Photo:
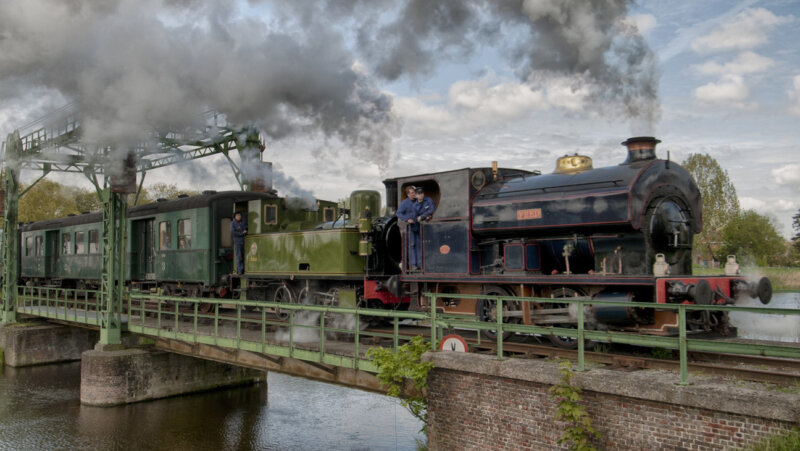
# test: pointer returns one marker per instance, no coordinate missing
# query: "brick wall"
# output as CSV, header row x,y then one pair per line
x,y
478,404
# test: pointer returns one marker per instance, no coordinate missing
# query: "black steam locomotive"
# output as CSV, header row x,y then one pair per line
x,y
614,233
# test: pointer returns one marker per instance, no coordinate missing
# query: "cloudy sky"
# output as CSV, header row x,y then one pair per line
x,y
348,93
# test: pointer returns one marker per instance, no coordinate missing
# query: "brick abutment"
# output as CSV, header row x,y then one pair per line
x,y
479,402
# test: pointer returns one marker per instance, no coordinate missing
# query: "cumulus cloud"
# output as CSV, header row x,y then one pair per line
x,y
788,175
747,30
794,96
487,102
731,91
751,203
746,63
506,100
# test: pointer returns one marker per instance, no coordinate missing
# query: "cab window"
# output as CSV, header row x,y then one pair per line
x,y
39,248
330,214
225,239
270,214
80,242
28,246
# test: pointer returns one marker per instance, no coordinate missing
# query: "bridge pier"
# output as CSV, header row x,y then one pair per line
x,y
38,343
479,402
112,376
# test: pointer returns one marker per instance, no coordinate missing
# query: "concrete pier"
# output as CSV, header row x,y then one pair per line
x,y
112,377
38,343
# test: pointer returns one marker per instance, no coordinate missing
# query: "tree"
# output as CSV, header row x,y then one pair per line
x,y
720,203
754,239
46,200
161,191
796,227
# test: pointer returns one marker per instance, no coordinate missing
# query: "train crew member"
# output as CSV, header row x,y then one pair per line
x,y
423,209
238,231
424,205
407,213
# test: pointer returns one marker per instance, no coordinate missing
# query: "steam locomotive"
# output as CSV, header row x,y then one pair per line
x,y
621,233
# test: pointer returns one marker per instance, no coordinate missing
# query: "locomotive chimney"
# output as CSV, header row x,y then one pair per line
x,y
640,148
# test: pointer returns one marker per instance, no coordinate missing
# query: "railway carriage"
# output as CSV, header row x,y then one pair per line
x,y
181,246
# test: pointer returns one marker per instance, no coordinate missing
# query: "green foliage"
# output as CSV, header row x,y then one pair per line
x,y
720,202
796,227
789,441
579,430
661,353
48,199
394,368
753,238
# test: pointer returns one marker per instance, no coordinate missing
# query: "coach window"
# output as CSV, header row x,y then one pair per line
x,y
270,214
39,247
184,234
80,242
94,242
164,235
29,246
66,244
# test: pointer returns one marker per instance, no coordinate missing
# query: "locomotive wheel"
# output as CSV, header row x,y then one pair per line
x,y
564,341
283,295
485,310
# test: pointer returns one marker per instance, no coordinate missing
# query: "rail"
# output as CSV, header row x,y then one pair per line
x,y
681,342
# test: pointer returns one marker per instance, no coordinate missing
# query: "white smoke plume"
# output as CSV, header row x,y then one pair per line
x,y
135,66
304,68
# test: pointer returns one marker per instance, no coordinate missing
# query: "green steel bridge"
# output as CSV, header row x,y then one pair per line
x,y
330,343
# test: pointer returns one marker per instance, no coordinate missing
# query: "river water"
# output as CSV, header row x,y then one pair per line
x,y
40,410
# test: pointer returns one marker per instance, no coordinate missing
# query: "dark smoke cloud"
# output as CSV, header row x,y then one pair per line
x,y
133,66
588,41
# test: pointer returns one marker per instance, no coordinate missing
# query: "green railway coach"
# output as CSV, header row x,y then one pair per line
x,y
182,246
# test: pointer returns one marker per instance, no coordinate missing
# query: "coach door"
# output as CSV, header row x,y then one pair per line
x,y
51,254
143,249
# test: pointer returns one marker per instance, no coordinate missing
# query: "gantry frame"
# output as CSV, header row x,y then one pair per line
x,y
55,144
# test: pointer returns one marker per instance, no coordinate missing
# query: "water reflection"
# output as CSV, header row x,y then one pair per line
x,y
40,409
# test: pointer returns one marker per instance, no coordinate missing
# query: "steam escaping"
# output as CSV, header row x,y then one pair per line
x,y
136,66
305,68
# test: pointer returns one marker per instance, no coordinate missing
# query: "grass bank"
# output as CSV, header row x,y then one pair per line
x,y
782,278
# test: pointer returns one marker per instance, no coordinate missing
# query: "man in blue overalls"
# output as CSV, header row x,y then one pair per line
x,y
407,213
238,231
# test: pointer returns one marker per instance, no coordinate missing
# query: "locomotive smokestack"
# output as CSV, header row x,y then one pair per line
x,y
640,148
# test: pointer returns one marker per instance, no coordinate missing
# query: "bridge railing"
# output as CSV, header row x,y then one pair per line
x,y
66,304
337,336
681,342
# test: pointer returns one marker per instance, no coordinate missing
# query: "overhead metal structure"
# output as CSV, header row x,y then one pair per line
x,y
55,144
